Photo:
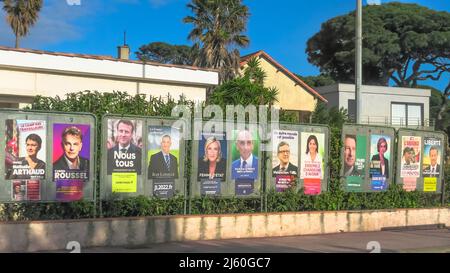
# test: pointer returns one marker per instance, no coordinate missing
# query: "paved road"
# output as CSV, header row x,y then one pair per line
x,y
419,240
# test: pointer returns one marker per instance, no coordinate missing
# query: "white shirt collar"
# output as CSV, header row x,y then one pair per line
x,y
249,161
127,147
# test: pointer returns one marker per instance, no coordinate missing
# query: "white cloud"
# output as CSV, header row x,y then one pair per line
x,y
57,23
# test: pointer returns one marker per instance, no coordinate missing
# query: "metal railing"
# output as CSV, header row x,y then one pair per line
x,y
397,122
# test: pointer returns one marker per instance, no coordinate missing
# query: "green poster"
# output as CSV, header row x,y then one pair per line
x,y
354,184
360,164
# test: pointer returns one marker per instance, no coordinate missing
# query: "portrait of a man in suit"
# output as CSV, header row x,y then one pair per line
x,y
432,170
125,156
350,156
246,166
72,144
285,166
163,164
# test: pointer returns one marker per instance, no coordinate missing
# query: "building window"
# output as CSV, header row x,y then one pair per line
x,y
406,114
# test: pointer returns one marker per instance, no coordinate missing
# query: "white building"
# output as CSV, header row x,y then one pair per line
x,y
26,73
399,107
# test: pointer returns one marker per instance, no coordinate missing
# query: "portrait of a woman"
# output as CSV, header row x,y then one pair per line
x,y
212,165
312,158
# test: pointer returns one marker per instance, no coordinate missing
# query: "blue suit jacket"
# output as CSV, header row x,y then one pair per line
x,y
250,175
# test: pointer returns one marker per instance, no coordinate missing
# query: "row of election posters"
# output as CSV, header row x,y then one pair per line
x,y
420,158
227,165
367,158
129,142
232,166
298,159
32,166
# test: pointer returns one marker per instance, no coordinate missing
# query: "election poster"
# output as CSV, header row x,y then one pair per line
x,y
284,159
411,156
124,153
432,153
163,154
124,145
25,153
379,161
355,161
71,159
245,149
25,190
312,148
212,162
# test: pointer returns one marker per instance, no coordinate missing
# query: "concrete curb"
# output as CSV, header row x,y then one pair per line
x,y
135,231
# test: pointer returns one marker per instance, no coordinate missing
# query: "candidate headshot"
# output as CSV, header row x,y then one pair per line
x,y
285,166
163,164
125,155
211,165
382,148
350,156
72,144
33,144
408,156
434,168
246,166
18,193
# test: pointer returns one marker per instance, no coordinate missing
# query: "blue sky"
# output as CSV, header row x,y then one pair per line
x,y
281,28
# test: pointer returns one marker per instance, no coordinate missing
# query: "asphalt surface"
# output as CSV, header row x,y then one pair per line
x,y
394,241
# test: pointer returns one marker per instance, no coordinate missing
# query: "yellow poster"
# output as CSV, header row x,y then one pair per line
x,y
124,182
429,183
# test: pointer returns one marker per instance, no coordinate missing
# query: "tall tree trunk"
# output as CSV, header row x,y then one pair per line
x,y
17,41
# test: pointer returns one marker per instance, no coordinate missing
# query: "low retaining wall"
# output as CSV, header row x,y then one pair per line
x,y
54,235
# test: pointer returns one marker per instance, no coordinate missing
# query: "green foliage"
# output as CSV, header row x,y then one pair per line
x,y
22,15
167,54
218,32
243,91
402,42
317,81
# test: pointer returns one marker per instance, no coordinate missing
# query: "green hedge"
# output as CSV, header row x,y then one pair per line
x,y
121,103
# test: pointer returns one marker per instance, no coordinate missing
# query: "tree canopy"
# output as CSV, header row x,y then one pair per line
x,y
21,15
218,27
402,42
162,52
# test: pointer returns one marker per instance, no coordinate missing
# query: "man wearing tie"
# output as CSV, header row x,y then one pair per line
x,y
163,164
246,166
124,157
433,170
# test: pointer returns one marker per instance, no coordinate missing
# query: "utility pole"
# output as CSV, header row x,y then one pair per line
x,y
358,61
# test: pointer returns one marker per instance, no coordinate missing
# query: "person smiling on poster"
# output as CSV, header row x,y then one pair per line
x,y
382,147
434,168
72,143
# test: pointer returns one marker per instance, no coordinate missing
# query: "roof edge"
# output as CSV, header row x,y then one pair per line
x,y
262,53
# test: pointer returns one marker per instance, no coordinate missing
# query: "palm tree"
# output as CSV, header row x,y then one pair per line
x,y
217,32
21,15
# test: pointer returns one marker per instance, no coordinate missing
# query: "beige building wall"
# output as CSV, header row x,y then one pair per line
x,y
23,85
291,96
